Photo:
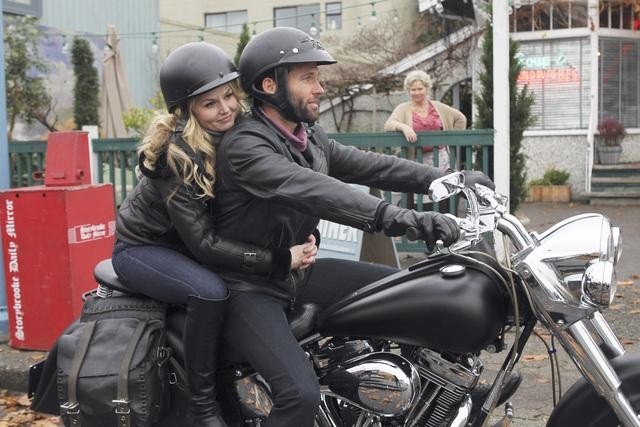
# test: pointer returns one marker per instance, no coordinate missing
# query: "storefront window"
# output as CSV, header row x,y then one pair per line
x,y
619,14
615,15
522,18
579,14
620,80
540,15
557,74
627,16
561,15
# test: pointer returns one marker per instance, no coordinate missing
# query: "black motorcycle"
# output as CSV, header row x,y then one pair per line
x,y
405,351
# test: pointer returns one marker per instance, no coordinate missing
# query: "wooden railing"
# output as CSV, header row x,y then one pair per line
x,y
116,160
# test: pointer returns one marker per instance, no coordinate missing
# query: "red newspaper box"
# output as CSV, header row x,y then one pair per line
x,y
68,158
52,237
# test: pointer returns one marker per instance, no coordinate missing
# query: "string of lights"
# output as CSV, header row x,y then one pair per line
x,y
203,29
189,31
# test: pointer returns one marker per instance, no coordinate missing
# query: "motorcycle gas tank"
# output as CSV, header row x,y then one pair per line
x,y
446,303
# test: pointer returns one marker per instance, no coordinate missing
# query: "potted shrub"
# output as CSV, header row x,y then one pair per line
x,y
611,133
552,187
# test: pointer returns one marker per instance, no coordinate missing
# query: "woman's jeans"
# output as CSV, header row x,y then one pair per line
x,y
164,274
258,330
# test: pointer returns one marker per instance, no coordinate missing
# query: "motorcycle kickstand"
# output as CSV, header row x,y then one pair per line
x,y
507,420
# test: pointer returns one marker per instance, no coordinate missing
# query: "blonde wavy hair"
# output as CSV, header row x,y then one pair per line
x,y
156,143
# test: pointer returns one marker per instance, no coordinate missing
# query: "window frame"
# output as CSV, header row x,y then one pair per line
x,y
527,13
622,105
327,15
226,24
313,17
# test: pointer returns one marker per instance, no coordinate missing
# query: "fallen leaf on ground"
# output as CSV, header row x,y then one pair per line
x,y
543,381
625,282
23,400
634,312
635,276
14,412
627,341
616,307
534,357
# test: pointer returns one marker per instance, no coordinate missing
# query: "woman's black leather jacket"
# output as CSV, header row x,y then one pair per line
x,y
163,210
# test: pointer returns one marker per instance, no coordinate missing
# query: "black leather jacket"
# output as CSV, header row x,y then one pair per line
x,y
162,210
272,195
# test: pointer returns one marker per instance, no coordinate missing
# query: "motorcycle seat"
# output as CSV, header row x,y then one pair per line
x,y
302,320
105,275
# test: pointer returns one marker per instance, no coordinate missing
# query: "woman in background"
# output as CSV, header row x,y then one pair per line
x,y
424,114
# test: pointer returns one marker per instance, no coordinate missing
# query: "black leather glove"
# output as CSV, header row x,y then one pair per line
x,y
430,226
477,177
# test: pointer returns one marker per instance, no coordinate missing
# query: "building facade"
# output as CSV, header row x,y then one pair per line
x,y
221,21
61,20
581,61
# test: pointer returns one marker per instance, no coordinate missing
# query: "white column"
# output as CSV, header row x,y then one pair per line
x,y
501,159
594,45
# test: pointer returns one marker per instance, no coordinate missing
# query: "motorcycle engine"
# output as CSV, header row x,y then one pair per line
x,y
380,382
446,381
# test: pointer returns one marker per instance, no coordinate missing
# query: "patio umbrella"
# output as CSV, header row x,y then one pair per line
x,y
115,90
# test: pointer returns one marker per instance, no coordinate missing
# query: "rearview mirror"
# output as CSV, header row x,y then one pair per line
x,y
446,186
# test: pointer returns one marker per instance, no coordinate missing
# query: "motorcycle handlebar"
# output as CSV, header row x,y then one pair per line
x,y
414,234
470,226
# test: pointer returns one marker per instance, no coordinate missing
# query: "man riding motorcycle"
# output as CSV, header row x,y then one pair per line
x,y
278,174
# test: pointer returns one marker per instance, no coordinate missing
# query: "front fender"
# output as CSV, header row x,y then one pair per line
x,y
582,406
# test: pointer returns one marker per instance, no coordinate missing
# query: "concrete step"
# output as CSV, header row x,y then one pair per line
x,y
617,170
617,166
616,184
613,198
625,180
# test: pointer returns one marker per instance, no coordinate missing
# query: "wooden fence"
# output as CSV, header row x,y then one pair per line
x,y
116,160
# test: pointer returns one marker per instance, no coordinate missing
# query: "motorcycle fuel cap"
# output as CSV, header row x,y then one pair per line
x,y
452,270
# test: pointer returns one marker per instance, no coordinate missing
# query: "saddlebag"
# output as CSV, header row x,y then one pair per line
x,y
111,364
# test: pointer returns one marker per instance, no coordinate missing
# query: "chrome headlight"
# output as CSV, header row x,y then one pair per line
x,y
599,283
582,251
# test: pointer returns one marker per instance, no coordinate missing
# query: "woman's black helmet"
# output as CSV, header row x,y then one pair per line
x,y
192,69
271,49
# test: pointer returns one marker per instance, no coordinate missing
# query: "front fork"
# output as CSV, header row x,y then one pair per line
x,y
578,341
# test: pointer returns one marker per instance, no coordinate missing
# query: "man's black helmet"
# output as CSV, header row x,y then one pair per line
x,y
192,69
278,46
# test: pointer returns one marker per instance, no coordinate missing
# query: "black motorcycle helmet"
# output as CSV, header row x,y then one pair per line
x,y
271,52
192,69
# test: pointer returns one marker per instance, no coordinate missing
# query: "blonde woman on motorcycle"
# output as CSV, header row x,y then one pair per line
x,y
166,243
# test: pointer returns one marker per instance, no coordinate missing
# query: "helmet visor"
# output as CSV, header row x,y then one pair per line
x,y
309,50
226,78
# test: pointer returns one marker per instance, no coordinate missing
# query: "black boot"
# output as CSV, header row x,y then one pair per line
x,y
202,335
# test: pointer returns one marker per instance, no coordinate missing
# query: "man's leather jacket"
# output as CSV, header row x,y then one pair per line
x,y
163,210
272,195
